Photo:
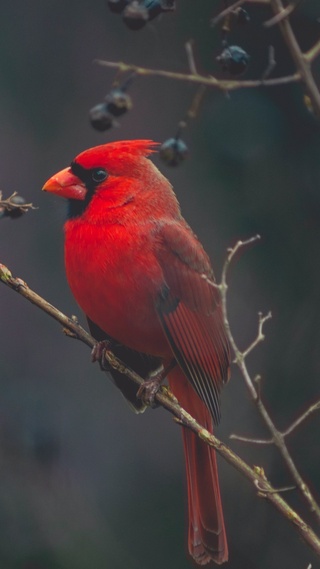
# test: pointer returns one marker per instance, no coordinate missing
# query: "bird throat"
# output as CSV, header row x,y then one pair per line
x,y
77,207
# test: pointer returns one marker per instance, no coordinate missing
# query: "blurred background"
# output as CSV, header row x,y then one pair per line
x,y
84,483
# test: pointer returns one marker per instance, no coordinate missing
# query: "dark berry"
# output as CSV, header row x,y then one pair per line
x,y
173,151
234,60
118,102
117,6
15,212
135,15
100,117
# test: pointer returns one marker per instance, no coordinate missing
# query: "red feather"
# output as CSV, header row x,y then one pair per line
x,y
207,536
191,315
143,279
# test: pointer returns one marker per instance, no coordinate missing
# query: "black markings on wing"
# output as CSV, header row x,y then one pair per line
x,y
200,349
189,311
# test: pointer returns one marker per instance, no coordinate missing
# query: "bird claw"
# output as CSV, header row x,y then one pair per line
x,y
98,354
149,389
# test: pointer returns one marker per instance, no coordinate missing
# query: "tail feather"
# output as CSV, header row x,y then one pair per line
x,y
207,536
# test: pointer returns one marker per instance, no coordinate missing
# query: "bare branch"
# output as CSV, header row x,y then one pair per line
x,y
191,59
260,336
280,16
271,63
313,52
210,81
196,102
312,409
302,63
232,8
250,440
240,359
277,490
226,11
255,475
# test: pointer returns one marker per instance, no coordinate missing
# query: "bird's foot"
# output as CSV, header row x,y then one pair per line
x,y
150,387
98,354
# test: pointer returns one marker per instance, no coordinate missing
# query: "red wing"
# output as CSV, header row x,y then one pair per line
x,y
191,316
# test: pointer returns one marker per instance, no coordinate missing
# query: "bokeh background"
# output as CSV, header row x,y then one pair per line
x,y
84,483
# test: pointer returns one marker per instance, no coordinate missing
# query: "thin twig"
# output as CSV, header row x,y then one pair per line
x,y
312,409
232,8
313,52
240,359
277,490
260,336
191,60
9,204
280,16
193,111
271,63
226,11
211,81
255,475
235,437
302,63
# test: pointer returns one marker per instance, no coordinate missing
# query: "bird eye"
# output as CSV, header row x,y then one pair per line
x,y
98,175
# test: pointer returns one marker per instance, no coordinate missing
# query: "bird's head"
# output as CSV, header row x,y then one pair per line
x,y
116,167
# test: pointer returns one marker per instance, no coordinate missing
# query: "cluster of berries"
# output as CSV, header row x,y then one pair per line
x,y
115,104
137,13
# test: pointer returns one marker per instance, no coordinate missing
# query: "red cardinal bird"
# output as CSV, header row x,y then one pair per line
x,y
143,279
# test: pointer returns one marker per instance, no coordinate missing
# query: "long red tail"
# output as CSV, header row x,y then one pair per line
x,y
207,536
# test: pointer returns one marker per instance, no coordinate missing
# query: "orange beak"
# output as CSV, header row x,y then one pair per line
x,y
66,185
